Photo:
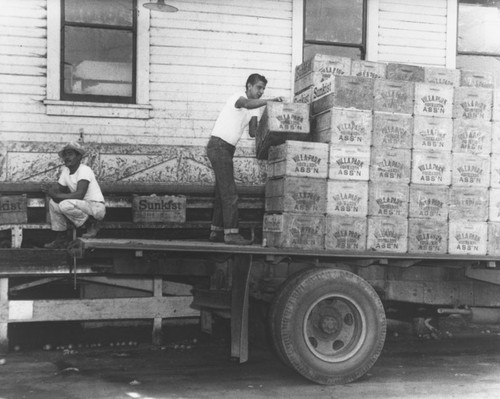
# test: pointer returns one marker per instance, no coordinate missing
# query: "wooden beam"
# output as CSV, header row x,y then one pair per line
x,y
36,283
4,314
157,337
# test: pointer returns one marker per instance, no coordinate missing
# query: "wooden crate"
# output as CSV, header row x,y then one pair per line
x,y
294,230
495,113
495,138
408,72
442,76
392,130
431,133
13,209
427,236
300,159
349,163
472,103
493,238
296,194
467,238
387,234
345,233
324,63
343,126
347,198
472,136
470,78
470,170
495,171
310,80
468,203
323,88
159,209
431,167
433,100
388,199
304,97
393,96
494,205
392,165
368,69
281,122
429,202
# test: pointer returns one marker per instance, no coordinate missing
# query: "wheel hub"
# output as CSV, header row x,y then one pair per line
x,y
329,325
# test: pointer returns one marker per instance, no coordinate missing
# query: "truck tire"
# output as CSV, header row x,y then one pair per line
x,y
329,325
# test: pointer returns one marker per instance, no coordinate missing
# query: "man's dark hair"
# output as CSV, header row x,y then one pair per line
x,y
255,78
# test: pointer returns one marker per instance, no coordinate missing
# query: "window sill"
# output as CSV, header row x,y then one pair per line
x,y
103,110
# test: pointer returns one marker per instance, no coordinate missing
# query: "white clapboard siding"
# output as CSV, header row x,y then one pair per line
x,y
412,32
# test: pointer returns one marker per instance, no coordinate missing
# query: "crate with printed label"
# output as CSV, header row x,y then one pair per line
x,y
427,236
467,238
431,167
472,78
325,63
472,103
442,76
432,133
433,100
345,233
393,96
429,202
390,165
470,170
388,199
347,198
472,136
368,69
412,73
349,163
392,130
468,203
387,234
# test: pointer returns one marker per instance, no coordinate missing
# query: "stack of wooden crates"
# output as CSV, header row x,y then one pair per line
x,y
402,159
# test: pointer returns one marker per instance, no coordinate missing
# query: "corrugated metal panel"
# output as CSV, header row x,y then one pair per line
x,y
413,32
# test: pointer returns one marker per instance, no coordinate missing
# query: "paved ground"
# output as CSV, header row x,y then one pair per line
x,y
448,365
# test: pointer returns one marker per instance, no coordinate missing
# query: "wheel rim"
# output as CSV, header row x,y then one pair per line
x,y
334,328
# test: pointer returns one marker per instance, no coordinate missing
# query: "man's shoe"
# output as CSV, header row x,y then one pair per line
x,y
93,229
236,239
59,243
216,236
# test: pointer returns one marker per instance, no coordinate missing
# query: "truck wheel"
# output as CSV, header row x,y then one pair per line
x,y
329,325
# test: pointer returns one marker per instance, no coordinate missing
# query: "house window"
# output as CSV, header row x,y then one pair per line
x,y
98,50
479,27
335,27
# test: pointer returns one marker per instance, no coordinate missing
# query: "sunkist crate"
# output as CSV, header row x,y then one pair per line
x,y
467,238
334,65
13,209
472,103
304,97
281,122
388,199
494,205
427,236
493,238
387,234
296,194
442,76
408,72
343,126
345,233
392,165
429,202
368,69
433,100
393,96
392,130
159,209
294,230
431,167
310,81
470,170
472,78
468,203
432,133
472,136
349,163
347,198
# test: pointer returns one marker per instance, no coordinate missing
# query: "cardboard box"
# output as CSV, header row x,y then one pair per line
x,y
159,209
368,69
296,194
411,73
429,202
467,238
472,103
349,163
347,198
431,167
390,165
341,126
300,159
294,230
470,170
431,133
13,209
494,205
392,130
472,136
388,199
281,122
442,76
427,236
387,234
493,238
471,78
468,203
345,233
393,96
324,63
433,100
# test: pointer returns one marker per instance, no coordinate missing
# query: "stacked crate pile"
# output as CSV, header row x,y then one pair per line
x,y
494,204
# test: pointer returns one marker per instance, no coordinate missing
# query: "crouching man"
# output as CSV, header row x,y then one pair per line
x,y
77,198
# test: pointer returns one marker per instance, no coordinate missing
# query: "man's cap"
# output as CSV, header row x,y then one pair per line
x,y
72,146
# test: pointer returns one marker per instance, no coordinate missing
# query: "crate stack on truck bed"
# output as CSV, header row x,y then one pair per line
x,y
413,159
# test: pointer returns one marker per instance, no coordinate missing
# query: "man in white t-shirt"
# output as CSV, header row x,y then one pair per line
x,y
77,198
227,131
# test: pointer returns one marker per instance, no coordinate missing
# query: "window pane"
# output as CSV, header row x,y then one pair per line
x,y
311,49
338,21
109,12
98,62
479,27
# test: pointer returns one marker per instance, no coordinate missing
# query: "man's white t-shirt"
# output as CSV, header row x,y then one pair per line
x,y
83,172
232,121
